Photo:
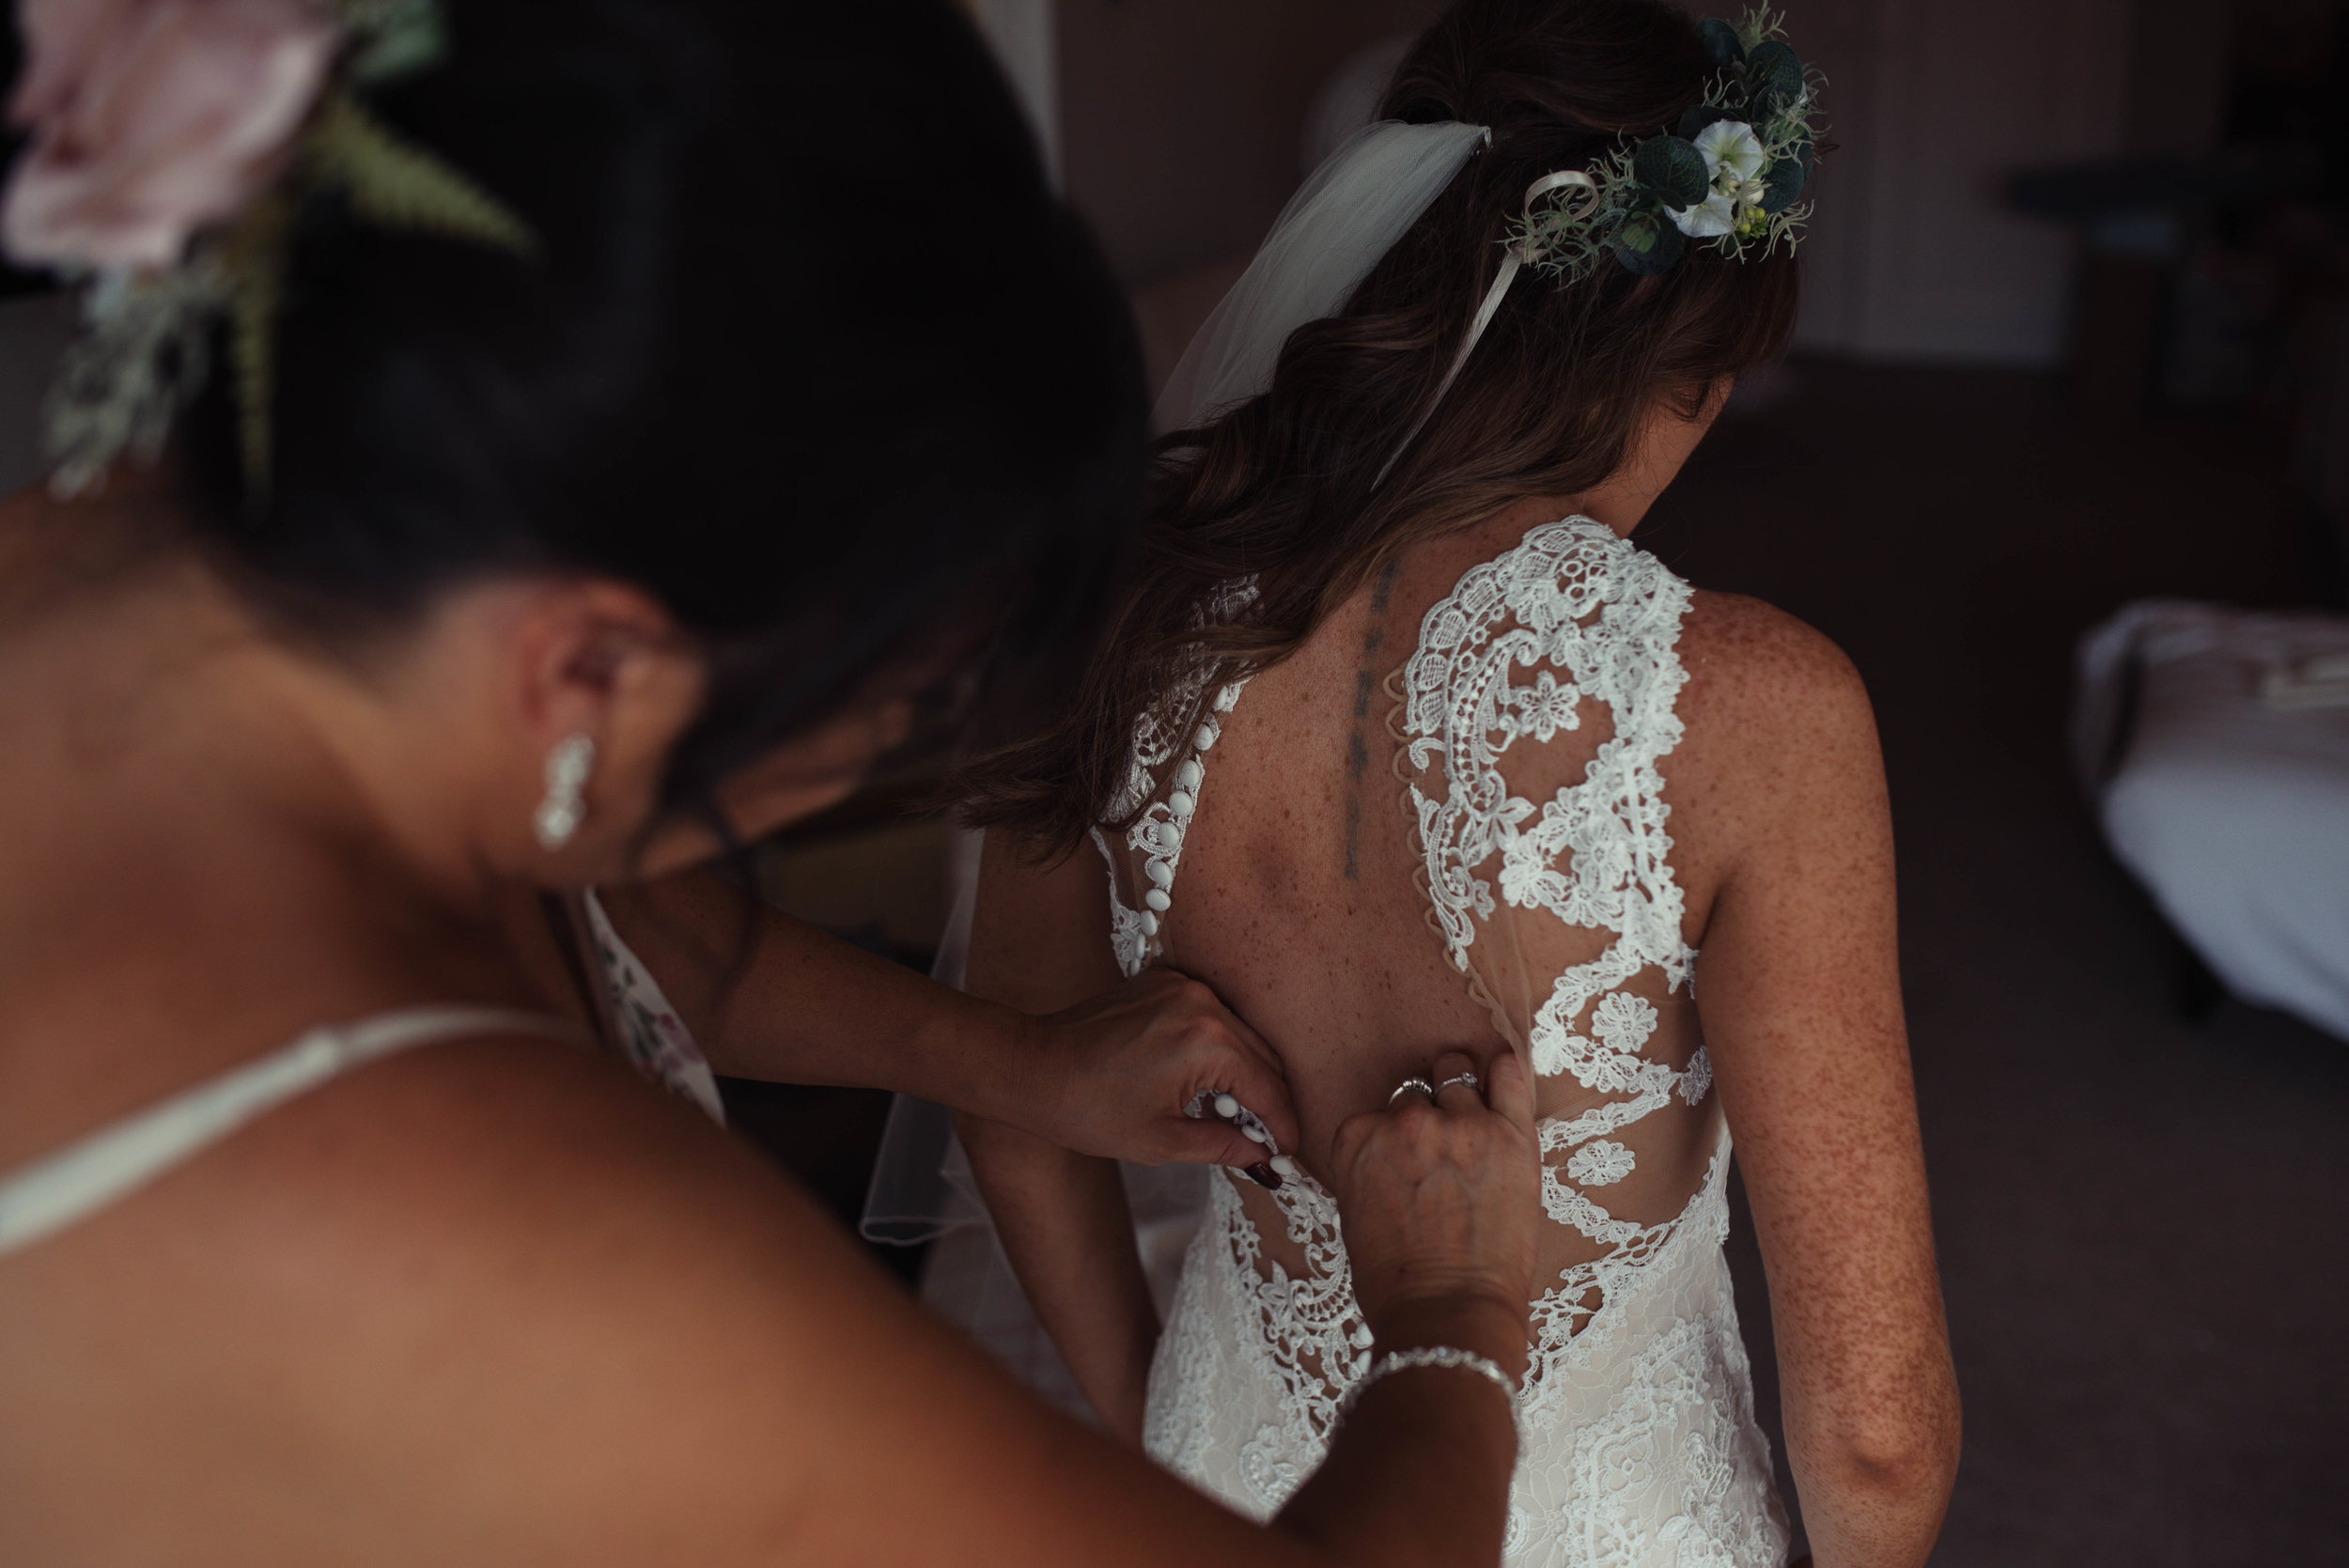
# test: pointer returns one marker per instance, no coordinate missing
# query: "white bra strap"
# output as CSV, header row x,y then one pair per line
x,y
93,1171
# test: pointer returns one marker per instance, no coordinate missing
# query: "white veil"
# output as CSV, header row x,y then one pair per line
x,y
1345,216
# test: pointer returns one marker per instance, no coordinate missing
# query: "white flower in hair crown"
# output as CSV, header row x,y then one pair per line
x,y
174,145
1730,175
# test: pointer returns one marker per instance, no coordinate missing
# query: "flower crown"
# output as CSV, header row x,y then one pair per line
x,y
1730,175
176,145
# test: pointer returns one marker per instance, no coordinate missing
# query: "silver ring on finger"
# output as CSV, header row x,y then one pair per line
x,y
1408,1085
1469,1078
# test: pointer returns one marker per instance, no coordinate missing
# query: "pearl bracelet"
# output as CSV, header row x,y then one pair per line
x,y
1431,1356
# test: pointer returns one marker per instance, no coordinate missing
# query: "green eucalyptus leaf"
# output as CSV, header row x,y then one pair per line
x,y
392,55
1673,168
395,38
1773,76
1658,245
1782,183
1720,42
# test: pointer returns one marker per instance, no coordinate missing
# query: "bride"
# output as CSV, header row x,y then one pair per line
x,y
1441,757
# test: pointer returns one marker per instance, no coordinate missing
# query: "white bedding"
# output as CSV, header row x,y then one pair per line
x,y
2216,743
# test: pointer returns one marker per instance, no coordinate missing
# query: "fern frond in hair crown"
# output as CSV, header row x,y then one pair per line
x,y
1729,175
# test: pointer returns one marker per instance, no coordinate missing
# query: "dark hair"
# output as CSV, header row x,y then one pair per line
x,y
1281,488
808,350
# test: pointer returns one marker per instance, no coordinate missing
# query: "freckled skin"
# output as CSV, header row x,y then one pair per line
x,y
1295,901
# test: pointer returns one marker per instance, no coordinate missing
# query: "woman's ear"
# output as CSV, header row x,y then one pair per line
x,y
603,682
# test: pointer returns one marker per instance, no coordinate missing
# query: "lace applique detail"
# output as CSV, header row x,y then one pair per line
x,y
1656,1480
1300,1344
1594,855
1130,930
1640,1447
650,1034
1157,835
1574,598
1640,1444
1545,708
1310,1324
1697,1081
1601,1162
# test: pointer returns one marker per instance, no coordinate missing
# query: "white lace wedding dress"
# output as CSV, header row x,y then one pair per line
x,y
1552,665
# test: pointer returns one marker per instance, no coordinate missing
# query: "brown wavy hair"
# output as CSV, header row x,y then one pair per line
x,y
1281,488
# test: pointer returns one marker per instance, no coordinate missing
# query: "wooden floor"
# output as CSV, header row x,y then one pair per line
x,y
2144,1221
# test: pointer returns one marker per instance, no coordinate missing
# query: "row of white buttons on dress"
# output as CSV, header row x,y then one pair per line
x,y
1158,836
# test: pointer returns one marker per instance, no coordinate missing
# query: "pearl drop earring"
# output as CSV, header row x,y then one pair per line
x,y
565,805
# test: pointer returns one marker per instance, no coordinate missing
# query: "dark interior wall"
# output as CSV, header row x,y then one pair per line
x,y
1180,118
2177,74
1179,123
12,280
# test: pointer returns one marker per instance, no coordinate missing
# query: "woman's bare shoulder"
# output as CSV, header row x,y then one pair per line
x,y
1740,650
504,1294
1777,723
664,1349
542,1179
1761,679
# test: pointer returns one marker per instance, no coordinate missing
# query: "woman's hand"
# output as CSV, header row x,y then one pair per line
x,y
1117,1075
1112,1075
1442,1203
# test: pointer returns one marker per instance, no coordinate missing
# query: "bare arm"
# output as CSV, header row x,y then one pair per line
x,y
769,997
1039,941
1800,992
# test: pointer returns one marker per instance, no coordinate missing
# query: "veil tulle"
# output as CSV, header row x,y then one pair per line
x,y
922,1187
1345,216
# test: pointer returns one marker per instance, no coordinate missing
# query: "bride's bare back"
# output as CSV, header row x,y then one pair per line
x,y
1303,893
1498,801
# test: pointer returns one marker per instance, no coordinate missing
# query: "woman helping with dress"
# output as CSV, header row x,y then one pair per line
x,y
1407,743
501,464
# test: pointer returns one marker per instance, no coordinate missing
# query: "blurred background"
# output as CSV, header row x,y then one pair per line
x,y
2061,459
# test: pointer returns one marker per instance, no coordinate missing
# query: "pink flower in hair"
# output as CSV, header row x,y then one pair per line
x,y
153,119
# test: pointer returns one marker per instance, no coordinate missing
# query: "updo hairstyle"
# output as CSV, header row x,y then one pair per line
x,y
808,352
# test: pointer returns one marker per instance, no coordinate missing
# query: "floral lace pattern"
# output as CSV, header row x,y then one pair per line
x,y
1640,1445
1608,614
654,1039
1157,835
1601,1162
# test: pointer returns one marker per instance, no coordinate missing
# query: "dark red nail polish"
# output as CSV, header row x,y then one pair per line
x,y
1265,1176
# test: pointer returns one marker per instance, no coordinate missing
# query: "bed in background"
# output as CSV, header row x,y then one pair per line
x,y
2214,745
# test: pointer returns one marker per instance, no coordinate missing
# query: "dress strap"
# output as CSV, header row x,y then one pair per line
x,y
59,1189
